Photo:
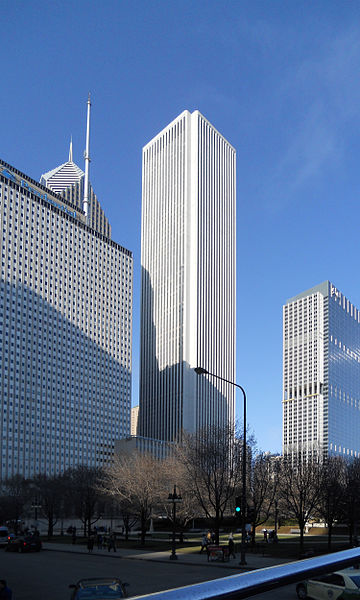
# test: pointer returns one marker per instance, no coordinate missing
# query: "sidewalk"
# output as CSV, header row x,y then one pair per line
x,y
254,561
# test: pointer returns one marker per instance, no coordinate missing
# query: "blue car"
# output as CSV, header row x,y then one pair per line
x,y
101,588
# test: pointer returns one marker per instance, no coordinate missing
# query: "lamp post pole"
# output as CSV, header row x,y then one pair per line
x,y
202,371
35,505
174,498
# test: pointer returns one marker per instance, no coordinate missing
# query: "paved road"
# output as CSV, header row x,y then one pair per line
x,y
48,574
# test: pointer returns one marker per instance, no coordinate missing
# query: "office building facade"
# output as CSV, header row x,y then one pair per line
x,y
188,286
65,332
321,377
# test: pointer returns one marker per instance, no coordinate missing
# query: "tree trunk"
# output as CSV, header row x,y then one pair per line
x,y
143,529
50,528
302,527
252,534
217,527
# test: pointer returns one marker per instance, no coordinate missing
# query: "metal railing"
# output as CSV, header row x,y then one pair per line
x,y
251,583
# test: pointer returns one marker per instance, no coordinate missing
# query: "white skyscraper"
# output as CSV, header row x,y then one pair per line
x,y
188,260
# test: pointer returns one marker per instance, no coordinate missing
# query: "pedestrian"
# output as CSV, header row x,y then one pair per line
x,y
90,543
213,536
204,543
208,537
112,542
5,592
231,545
99,540
265,535
74,535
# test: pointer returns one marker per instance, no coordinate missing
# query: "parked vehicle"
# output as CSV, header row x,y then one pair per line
x,y
341,584
101,588
21,543
4,532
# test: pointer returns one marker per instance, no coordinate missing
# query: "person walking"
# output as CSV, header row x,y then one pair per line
x,y
231,545
99,541
90,543
204,543
112,542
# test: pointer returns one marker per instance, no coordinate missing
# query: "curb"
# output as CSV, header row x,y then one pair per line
x,y
158,560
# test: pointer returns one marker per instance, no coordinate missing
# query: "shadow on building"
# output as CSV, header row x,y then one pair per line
x,y
63,398
173,398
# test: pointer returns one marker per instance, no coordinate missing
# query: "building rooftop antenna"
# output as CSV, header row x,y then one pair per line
x,y
70,151
87,161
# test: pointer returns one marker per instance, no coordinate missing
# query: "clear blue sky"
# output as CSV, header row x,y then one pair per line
x,y
279,79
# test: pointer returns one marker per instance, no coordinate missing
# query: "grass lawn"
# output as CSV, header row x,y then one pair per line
x,y
288,546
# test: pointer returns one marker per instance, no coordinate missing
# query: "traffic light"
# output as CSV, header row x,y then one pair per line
x,y
238,505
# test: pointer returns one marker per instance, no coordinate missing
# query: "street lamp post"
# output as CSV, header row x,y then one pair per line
x,y
174,498
36,505
202,371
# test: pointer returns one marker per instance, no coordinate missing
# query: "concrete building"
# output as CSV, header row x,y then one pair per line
x,y
321,377
188,284
65,330
136,443
134,420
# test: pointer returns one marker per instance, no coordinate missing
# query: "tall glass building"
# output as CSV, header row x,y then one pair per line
x,y
321,377
65,329
188,261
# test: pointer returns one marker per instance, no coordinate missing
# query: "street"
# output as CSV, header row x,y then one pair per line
x,y
48,574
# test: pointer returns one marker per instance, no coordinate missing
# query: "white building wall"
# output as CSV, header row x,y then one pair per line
x,y
188,278
65,334
303,374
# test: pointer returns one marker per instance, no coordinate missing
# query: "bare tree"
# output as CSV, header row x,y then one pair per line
x,y
15,494
301,488
351,505
127,514
84,488
51,492
332,492
137,479
261,490
175,473
212,460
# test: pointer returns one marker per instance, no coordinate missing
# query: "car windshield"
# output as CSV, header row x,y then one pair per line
x,y
355,579
100,591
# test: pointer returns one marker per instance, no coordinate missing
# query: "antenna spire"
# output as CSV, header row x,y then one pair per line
x,y
87,161
71,151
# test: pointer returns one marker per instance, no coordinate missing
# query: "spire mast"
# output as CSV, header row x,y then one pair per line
x,y
87,161
70,151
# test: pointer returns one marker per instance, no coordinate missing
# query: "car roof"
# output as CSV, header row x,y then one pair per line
x,y
91,581
349,571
